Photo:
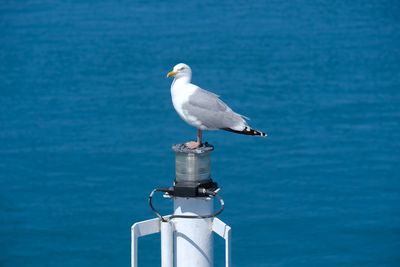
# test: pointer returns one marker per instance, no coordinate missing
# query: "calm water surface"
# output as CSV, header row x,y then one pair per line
x,y
86,126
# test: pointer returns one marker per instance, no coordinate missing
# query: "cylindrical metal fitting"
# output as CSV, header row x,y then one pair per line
x,y
193,165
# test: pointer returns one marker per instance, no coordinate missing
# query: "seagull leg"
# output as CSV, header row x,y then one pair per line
x,y
199,136
193,144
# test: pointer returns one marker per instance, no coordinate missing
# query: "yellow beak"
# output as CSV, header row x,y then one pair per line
x,y
171,74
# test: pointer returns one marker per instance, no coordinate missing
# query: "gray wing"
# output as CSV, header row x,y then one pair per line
x,y
212,111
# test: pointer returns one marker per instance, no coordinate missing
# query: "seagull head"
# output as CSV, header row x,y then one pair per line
x,y
180,70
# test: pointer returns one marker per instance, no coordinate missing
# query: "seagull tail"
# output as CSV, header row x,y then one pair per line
x,y
247,131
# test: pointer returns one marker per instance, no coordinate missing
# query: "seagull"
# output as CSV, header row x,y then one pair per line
x,y
202,109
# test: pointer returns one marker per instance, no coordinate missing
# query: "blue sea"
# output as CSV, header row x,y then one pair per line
x,y
87,124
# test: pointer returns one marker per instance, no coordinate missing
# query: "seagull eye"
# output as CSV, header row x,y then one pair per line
x,y
182,68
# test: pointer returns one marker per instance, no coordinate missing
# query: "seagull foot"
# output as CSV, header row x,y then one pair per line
x,y
192,144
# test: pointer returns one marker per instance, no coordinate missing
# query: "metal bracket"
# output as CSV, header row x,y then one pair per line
x,y
224,231
139,229
152,226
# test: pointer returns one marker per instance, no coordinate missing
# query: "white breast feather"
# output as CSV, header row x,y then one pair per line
x,y
180,95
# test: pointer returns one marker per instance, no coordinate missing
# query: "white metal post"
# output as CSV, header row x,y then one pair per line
x,y
167,236
193,237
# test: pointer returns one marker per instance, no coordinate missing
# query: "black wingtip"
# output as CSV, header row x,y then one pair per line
x,y
247,131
